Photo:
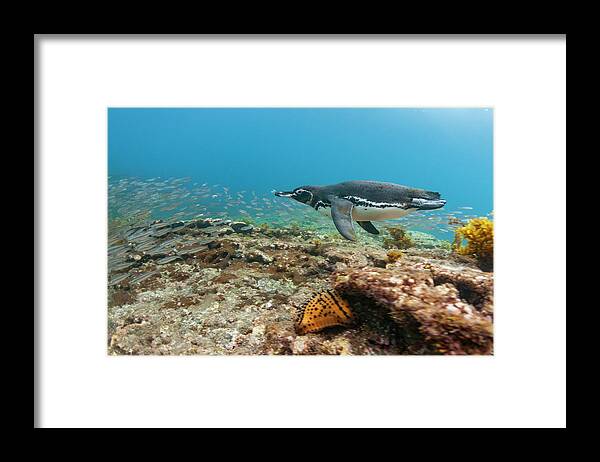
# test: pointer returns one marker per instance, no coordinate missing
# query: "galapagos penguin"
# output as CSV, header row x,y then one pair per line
x,y
364,201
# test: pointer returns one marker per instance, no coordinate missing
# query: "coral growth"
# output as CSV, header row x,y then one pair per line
x,y
394,255
398,239
479,234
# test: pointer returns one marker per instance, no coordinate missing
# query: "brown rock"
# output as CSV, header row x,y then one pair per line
x,y
426,303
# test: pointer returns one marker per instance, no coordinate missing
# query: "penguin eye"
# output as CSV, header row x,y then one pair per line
x,y
302,195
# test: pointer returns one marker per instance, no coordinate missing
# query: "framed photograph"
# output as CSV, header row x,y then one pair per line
x,y
223,222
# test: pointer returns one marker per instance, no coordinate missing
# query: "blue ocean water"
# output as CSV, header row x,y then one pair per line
x,y
189,162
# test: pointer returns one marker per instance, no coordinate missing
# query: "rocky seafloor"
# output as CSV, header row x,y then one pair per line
x,y
217,287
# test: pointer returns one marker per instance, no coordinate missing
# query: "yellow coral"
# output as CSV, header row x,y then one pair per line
x,y
479,233
394,255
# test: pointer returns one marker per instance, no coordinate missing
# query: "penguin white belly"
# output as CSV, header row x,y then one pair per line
x,y
377,213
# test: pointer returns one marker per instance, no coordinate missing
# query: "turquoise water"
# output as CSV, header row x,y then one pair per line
x,y
225,162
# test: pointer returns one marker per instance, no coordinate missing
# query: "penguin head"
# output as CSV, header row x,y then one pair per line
x,y
302,194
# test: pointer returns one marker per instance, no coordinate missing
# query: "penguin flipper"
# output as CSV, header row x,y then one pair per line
x,y
341,212
368,227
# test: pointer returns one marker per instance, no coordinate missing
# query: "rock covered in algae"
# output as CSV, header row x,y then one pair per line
x,y
237,293
445,311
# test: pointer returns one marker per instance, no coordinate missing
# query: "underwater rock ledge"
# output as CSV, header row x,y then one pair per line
x,y
431,301
217,287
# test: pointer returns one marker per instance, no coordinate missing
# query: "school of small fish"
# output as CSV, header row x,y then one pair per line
x,y
138,201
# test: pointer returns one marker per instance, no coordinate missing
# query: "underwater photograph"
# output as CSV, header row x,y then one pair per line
x,y
300,231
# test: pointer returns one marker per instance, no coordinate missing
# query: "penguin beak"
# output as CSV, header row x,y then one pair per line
x,y
284,193
424,204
